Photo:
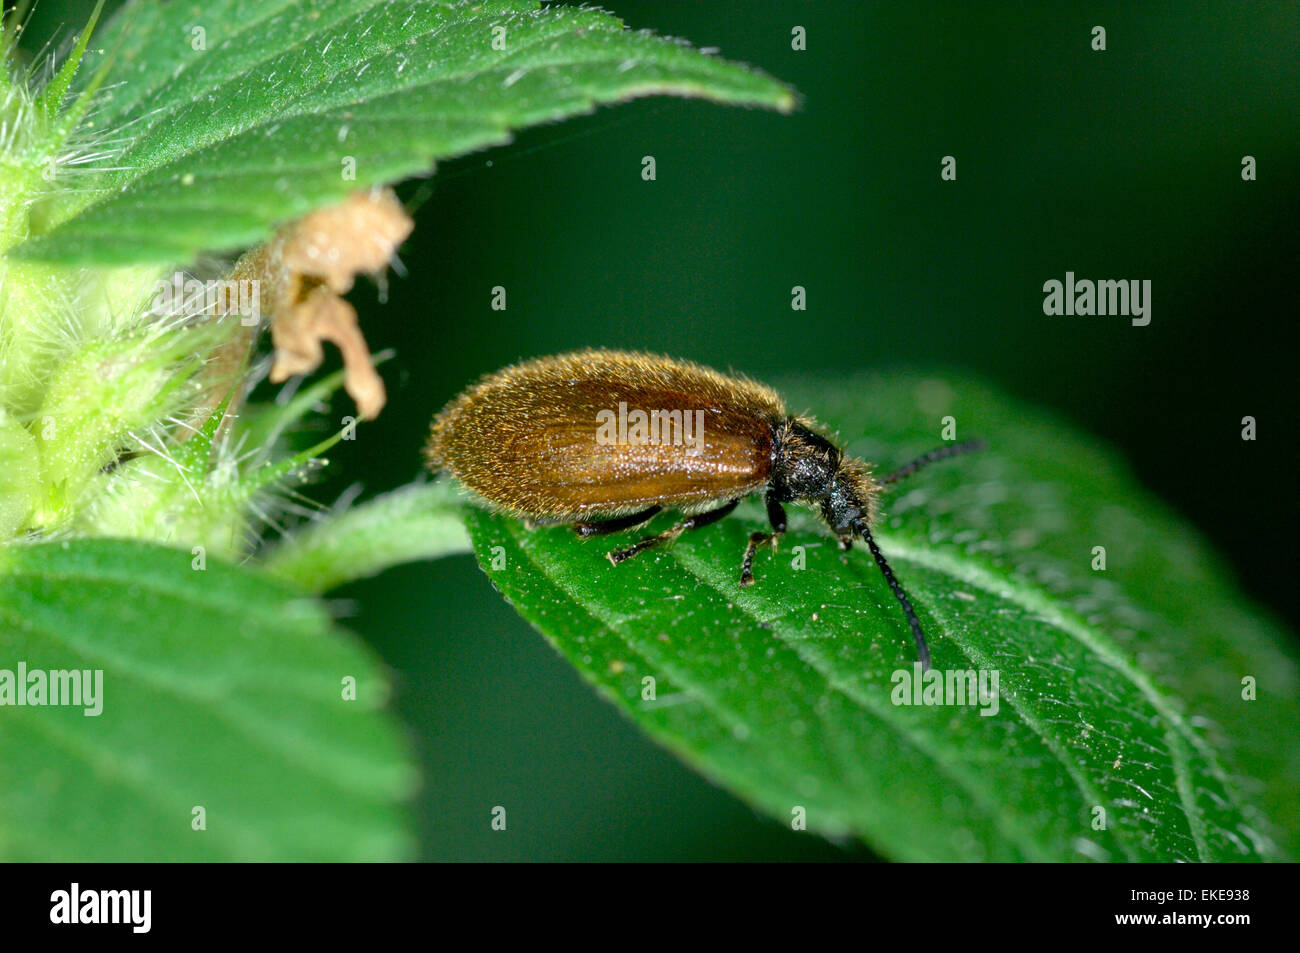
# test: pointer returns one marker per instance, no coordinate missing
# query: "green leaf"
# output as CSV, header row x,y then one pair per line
x,y
415,522
1120,690
221,690
262,124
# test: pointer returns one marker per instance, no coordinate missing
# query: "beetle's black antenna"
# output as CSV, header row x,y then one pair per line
x,y
922,650
943,453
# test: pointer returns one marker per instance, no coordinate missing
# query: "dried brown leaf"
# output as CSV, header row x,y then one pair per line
x,y
304,271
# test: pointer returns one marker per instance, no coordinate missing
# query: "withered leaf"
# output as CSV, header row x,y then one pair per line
x,y
306,268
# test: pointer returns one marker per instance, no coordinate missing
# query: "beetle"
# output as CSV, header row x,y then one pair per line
x,y
605,440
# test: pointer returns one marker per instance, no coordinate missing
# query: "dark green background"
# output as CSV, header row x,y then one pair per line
x,y
1117,164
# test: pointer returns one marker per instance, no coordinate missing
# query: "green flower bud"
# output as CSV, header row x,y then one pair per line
x,y
20,477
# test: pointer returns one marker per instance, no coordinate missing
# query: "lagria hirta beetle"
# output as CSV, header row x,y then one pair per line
x,y
607,439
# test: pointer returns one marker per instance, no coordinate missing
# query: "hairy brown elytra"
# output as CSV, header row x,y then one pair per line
x,y
533,439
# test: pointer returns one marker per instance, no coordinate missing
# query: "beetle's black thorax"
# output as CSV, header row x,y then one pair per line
x,y
804,463
808,467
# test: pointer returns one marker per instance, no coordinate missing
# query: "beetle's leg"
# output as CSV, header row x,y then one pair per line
x,y
775,516
616,556
587,528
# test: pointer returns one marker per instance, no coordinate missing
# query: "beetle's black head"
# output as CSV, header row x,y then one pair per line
x,y
808,467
